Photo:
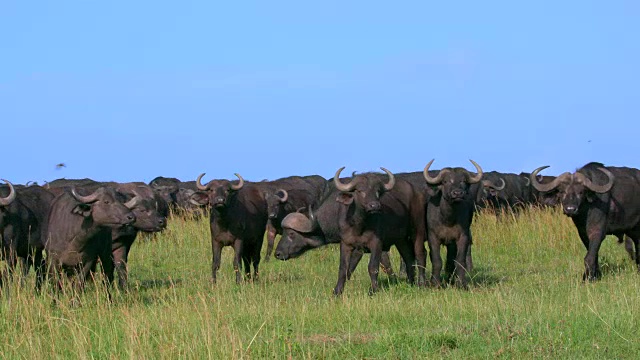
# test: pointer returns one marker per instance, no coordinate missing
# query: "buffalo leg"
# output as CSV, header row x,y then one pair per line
x,y
631,245
108,267
461,257
354,260
345,255
237,248
592,240
246,262
385,264
39,267
636,242
217,256
450,263
120,257
408,257
271,237
421,262
374,264
469,259
255,259
436,260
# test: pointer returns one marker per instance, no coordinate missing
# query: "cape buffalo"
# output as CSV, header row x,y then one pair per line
x,y
374,215
238,218
302,233
79,230
542,199
150,211
288,195
600,200
22,213
449,215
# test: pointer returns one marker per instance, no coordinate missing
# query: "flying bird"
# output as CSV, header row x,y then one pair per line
x,y
60,166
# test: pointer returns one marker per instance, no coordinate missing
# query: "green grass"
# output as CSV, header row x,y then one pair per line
x,y
526,300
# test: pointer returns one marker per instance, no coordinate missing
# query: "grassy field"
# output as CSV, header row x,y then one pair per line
x,y
527,300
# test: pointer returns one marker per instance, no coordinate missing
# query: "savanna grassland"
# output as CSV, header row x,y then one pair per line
x,y
526,300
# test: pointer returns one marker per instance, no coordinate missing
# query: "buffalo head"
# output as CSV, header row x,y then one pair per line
x,y
573,189
147,207
299,234
364,190
216,192
453,182
103,207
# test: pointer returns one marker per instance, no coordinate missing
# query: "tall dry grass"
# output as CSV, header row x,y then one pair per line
x,y
527,300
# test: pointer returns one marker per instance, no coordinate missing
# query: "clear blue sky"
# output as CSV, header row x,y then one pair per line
x,y
128,90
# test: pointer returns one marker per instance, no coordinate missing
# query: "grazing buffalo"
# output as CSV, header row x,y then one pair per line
x,y
321,227
238,218
288,195
22,213
449,215
601,201
373,216
79,230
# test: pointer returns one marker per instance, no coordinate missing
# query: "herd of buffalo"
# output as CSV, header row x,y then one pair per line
x,y
65,228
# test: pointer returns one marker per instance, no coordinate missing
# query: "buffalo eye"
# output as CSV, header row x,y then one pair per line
x,y
107,202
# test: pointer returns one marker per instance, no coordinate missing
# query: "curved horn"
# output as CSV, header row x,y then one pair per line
x,y
93,197
545,187
340,186
199,184
240,183
285,195
433,180
134,200
478,177
12,195
598,188
489,183
353,174
392,180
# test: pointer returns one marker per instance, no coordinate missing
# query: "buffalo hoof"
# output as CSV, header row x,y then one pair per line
x,y
372,291
590,277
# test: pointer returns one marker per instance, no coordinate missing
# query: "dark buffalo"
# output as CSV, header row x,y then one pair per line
x,y
150,211
502,191
59,186
449,214
22,213
542,199
177,194
288,195
167,188
238,218
374,215
600,200
321,227
79,230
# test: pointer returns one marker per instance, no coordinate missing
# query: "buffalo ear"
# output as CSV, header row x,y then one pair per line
x,y
345,198
199,198
83,210
590,196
